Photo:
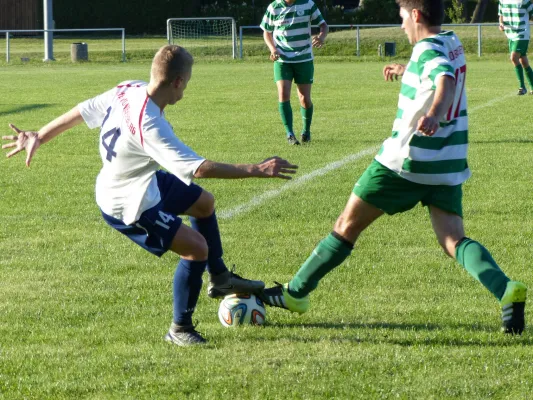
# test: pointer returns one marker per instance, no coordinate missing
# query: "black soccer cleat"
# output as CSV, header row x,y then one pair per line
x,y
230,283
305,138
184,335
291,139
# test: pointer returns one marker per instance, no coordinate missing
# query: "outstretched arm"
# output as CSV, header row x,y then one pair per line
x,y
31,140
274,167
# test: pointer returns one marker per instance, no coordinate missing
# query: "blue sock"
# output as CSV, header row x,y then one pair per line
x,y
208,227
186,289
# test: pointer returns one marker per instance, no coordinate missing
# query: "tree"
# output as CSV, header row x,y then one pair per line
x,y
457,12
479,12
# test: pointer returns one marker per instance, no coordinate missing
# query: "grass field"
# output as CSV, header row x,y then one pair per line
x,y
83,310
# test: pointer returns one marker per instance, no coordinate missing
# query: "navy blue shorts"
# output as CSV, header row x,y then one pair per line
x,y
157,226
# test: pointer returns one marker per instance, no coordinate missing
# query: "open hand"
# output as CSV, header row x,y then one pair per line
x,y
276,167
23,140
318,41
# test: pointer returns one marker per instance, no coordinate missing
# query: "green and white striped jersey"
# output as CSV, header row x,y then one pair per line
x,y
516,15
291,27
439,159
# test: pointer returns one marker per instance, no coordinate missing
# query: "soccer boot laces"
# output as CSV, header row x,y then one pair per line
x,y
513,304
229,282
279,296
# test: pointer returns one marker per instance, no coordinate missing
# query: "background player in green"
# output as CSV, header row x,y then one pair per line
x,y
514,18
287,33
424,161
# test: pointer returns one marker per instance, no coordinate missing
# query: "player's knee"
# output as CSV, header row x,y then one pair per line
x,y
347,228
448,246
199,249
205,205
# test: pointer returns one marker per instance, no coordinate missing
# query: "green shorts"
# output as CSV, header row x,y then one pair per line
x,y
518,46
301,72
388,191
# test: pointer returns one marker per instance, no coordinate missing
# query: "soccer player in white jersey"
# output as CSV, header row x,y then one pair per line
x,y
514,16
142,201
424,161
287,33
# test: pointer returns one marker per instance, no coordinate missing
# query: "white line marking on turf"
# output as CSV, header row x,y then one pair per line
x,y
258,200
491,102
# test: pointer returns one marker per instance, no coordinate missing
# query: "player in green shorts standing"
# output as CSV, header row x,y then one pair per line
x,y
287,33
423,161
514,18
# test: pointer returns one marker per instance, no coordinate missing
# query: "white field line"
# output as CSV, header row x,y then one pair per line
x,y
302,180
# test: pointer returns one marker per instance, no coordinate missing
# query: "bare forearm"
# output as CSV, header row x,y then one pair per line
x,y
269,40
212,169
324,29
444,95
60,125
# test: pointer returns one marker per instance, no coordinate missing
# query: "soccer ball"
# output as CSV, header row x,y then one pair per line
x,y
241,309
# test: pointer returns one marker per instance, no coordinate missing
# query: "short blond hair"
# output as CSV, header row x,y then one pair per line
x,y
169,63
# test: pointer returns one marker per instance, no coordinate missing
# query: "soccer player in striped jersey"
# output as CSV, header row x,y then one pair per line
x,y
142,201
514,16
287,33
423,161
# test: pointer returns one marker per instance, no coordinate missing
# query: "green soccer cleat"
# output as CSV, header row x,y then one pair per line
x,y
513,303
278,296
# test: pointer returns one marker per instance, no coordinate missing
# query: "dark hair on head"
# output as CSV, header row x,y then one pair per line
x,y
431,10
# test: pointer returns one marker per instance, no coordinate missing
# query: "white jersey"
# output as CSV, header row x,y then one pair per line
x,y
135,140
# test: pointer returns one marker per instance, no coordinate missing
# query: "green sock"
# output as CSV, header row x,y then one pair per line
x,y
285,110
307,117
529,75
329,253
479,263
520,75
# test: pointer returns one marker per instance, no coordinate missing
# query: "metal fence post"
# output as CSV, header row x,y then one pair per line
x,y
479,40
240,40
123,45
357,40
7,47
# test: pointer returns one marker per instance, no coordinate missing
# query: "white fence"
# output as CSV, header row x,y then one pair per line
x,y
356,30
9,32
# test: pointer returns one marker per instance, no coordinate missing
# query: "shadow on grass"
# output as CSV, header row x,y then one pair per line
x,y
21,109
364,330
